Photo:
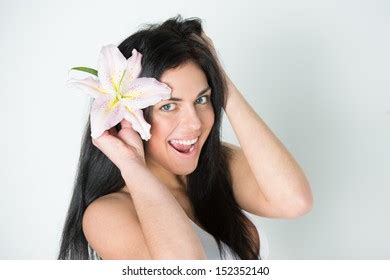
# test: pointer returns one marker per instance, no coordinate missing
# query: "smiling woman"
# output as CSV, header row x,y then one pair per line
x,y
180,194
181,128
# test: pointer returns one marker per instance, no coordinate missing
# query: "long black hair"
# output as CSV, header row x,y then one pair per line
x,y
209,187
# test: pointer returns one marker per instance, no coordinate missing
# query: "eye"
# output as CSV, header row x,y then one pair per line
x,y
166,107
205,99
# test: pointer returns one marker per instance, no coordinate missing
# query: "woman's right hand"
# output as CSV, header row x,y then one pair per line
x,y
122,148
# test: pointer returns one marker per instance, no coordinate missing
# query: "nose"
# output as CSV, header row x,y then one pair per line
x,y
191,119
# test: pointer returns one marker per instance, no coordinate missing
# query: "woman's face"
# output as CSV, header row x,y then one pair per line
x,y
179,121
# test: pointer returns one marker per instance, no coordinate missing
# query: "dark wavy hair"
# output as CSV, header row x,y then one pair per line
x,y
165,46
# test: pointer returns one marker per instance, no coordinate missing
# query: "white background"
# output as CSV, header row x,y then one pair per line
x,y
317,72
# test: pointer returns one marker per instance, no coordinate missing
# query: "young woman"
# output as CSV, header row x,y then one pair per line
x,y
180,195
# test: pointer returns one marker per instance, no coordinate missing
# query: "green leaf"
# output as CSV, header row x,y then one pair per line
x,y
86,69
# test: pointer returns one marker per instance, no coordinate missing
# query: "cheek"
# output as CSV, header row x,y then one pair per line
x,y
154,146
160,131
208,119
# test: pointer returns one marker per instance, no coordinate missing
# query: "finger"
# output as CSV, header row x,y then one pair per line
x,y
98,140
126,124
95,140
107,143
128,134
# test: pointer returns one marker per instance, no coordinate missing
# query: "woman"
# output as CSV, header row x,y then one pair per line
x,y
136,199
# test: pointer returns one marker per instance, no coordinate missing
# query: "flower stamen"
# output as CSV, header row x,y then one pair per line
x,y
132,95
129,109
113,103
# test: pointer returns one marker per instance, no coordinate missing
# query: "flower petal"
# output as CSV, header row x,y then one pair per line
x,y
133,69
144,92
88,85
136,118
102,118
111,66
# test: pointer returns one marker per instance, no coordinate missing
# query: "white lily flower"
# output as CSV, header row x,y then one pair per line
x,y
119,93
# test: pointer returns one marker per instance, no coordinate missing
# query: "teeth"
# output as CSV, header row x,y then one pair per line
x,y
185,142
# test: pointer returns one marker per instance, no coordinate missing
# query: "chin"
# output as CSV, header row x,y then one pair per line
x,y
183,170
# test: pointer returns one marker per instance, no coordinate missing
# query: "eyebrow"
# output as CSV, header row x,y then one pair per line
x,y
199,94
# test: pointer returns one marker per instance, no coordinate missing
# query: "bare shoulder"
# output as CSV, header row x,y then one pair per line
x,y
111,227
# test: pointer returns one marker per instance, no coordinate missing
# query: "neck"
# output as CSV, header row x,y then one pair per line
x,y
172,181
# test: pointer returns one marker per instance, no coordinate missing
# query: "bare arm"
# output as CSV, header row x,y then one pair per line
x,y
167,230
280,180
273,185
160,228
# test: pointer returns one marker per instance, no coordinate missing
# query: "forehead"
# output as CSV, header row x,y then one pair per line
x,y
188,77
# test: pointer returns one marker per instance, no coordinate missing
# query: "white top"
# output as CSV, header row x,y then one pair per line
x,y
211,248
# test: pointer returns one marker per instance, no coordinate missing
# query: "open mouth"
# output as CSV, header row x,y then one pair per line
x,y
183,147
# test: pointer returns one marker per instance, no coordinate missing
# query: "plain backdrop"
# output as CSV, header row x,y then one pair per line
x,y
317,72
